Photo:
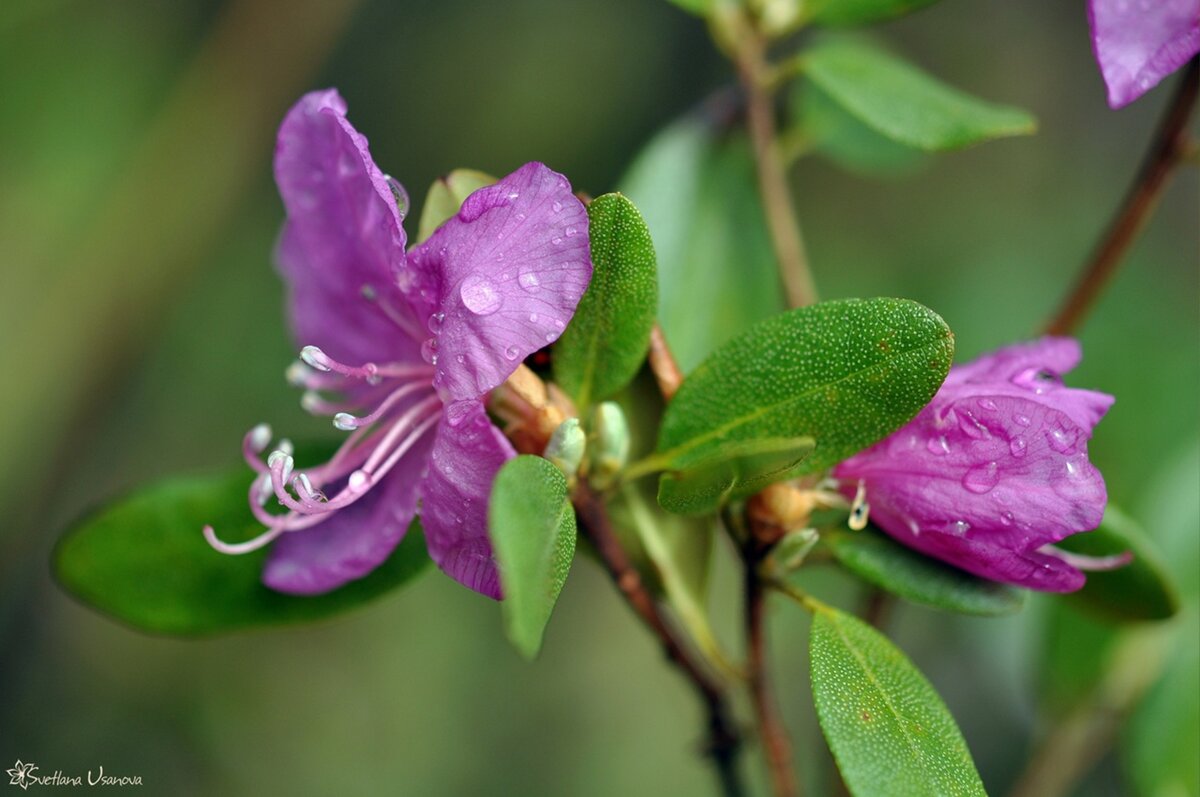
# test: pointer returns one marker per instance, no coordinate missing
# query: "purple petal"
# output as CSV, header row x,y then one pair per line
x,y
355,540
467,453
1139,42
343,239
1030,370
501,279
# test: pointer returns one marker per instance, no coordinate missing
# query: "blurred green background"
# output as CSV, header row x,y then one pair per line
x,y
143,334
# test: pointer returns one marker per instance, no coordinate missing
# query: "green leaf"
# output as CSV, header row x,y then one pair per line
x,y
1142,590
841,137
446,196
904,103
861,12
737,469
698,7
143,561
696,189
532,527
606,341
1163,735
879,560
844,373
888,729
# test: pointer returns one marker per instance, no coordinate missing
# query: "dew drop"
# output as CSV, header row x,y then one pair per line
x,y
398,194
458,358
987,404
1061,439
981,478
971,426
1006,518
1039,380
479,294
571,231
558,322
435,322
938,445
557,207
429,351
550,336
458,411
528,279
1021,420
1017,446
533,318
556,240
520,217
958,528
512,352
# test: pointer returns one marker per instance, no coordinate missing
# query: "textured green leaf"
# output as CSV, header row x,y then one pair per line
x,y
861,12
446,196
844,373
736,470
846,140
904,103
879,560
888,729
143,560
532,527
716,269
606,341
1142,590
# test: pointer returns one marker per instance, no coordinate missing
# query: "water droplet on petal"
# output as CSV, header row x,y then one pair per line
x,y
1039,380
958,528
571,231
938,445
1017,446
981,478
1021,420
550,336
435,322
399,194
520,217
458,358
987,404
533,318
429,351
512,352
557,206
556,240
480,295
1062,439
971,426
458,411
1006,518
528,279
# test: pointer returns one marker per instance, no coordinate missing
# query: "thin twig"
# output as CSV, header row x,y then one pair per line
x,y
754,73
1168,149
723,740
771,731
662,364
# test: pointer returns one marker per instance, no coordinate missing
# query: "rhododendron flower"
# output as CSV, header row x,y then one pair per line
x,y
994,470
1139,42
400,347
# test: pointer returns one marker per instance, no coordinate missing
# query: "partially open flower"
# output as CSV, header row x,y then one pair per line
x,y
400,349
994,470
1139,42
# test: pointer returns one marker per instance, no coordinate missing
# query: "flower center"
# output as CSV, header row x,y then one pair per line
x,y
401,407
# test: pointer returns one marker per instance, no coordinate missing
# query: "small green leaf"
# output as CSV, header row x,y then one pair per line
x,y
844,373
606,341
843,138
888,729
144,561
532,527
1141,590
904,103
698,7
446,196
861,12
879,560
696,188
736,470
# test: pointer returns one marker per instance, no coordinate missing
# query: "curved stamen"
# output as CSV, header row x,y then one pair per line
x,y
371,372
234,549
253,444
347,422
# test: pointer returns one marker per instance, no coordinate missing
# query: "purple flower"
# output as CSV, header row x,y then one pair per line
x,y
994,469
401,348
1139,42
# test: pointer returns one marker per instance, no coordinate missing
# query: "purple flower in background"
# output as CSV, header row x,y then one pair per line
x,y
1139,42
994,470
409,341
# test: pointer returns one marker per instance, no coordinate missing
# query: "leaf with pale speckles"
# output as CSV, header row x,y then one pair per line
x,y
888,729
532,527
606,341
737,470
844,373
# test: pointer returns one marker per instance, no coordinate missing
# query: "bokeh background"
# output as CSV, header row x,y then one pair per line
x,y
142,334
